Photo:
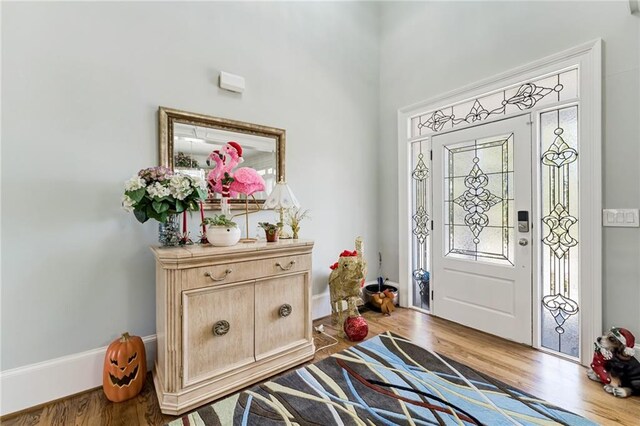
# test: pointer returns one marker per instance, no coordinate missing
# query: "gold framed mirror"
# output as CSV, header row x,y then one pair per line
x,y
186,140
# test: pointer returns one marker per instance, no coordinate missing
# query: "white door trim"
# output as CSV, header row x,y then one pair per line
x,y
588,57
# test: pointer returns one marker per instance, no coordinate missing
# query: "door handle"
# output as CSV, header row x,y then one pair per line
x,y
523,241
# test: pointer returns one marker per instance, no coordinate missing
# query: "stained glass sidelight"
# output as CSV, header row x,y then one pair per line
x,y
420,223
559,174
479,200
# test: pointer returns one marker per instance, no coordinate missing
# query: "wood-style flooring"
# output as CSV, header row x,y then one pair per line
x,y
548,377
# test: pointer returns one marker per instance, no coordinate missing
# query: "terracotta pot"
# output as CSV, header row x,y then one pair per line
x,y
272,237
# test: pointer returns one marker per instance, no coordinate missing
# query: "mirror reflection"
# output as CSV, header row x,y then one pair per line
x,y
194,145
203,146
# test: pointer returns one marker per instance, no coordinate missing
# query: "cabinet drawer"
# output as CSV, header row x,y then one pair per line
x,y
281,313
207,351
207,276
283,265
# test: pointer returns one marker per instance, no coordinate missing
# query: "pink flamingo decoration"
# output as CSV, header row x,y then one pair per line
x,y
234,150
216,175
245,179
214,178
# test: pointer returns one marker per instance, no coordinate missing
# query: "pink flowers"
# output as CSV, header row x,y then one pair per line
x,y
155,174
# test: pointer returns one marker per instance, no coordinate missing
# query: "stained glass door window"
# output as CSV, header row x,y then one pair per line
x,y
560,328
478,179
420,223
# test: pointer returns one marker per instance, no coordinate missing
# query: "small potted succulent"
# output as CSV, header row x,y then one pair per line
x,y
221,232
271,230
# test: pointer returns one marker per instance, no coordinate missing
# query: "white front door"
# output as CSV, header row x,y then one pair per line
x,y
481,258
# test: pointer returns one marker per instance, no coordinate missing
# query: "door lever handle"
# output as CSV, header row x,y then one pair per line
x,y
523,241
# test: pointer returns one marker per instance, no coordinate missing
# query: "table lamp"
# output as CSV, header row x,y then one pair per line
x,y
281,198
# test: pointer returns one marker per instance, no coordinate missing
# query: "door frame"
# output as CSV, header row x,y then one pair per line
x,y
587,58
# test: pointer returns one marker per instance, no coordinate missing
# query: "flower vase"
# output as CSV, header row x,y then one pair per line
x,y
169,232
295,230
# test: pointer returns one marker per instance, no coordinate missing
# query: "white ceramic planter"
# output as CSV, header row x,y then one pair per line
x,y
223,236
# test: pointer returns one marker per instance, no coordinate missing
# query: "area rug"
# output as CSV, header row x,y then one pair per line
x,y
386,380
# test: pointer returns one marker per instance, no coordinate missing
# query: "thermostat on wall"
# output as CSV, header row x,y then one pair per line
x,y
232,82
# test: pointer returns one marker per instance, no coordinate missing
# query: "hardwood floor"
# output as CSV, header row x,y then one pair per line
x,y
545,376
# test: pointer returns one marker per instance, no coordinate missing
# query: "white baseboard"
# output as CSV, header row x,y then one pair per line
x,y
320,306
35,384
321,303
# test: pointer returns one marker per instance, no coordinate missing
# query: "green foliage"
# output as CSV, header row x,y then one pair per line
x,y
296,215
220,220
270,227
147,203
184,160
227,179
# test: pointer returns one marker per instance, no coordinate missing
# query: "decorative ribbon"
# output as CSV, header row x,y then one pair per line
x,y
385,301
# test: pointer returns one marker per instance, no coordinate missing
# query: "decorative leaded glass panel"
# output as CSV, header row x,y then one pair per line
x,y
420,223
526,95
560,285
478,180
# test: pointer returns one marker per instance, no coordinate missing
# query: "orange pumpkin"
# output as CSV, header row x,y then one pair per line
x,y
125,368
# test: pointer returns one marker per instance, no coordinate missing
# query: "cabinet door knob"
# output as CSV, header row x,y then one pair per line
x,y
221,328
286,268
285,310
222,278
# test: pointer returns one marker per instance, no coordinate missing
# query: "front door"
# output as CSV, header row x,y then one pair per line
x,y
482,248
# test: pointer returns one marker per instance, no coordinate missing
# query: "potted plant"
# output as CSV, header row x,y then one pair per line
x,y
294,217
221,232
271,230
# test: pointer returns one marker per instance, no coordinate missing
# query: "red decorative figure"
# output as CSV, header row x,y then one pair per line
x,y
356,328
598,365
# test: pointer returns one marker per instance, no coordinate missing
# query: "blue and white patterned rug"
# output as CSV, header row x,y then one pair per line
x,y
387,380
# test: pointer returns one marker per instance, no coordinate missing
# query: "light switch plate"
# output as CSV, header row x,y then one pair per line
x,y
620,217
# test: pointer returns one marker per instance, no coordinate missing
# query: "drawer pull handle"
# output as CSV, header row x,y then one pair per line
x,y
286,268
222,278
285,310
221,328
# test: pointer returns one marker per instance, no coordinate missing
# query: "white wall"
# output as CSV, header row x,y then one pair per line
x,y
427,49
81,86
82,83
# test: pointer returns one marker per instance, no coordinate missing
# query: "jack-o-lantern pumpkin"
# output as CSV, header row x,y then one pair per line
x,y
125,368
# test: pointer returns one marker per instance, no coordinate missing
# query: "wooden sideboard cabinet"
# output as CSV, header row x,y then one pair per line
x,y
227,317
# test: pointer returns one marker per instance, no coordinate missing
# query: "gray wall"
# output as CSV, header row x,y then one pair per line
x,y
427,49
81,86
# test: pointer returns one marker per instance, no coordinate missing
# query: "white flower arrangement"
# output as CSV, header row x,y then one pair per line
x,y
156,193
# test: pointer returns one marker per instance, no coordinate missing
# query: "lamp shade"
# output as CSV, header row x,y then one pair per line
x,y
281,198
